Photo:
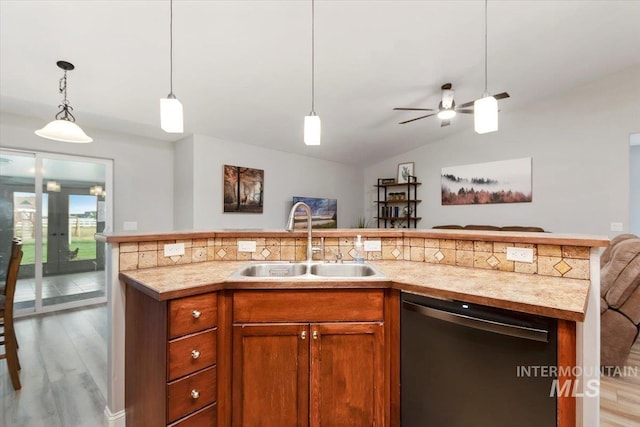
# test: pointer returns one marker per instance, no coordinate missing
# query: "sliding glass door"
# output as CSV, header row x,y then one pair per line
x,y
55,204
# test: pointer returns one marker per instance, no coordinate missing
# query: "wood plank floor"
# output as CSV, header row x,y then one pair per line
x,y
64,371
620,396
64,375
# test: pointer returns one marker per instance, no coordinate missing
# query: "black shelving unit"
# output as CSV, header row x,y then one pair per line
x,y
397,209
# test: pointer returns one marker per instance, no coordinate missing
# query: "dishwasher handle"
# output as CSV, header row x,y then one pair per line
x,y
482,324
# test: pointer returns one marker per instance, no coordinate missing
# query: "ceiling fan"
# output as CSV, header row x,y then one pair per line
x,y
447,108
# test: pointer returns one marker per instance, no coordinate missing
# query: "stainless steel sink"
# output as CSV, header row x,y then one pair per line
x,y
285,269
343,270
307,271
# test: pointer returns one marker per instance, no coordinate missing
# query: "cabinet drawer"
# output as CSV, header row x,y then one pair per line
x,y
205,417
192,352
192,314
356,305
190,393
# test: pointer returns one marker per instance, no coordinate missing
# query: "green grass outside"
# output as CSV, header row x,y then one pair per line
x,y
87,250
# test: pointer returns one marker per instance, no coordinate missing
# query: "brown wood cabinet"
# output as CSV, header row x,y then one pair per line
x,y
290,357
309,358
170,360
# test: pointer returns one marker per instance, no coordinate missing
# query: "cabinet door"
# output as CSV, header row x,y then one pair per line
x,y
271,375
347,374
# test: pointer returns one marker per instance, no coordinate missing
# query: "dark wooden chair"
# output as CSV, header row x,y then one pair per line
x,y
8,335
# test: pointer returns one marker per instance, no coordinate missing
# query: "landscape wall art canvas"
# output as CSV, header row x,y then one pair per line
x,y
243,189
505,181
324,213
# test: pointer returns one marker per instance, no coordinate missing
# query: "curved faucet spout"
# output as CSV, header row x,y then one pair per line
x,y
290,225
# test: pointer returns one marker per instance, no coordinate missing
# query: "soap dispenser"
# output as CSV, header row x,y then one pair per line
x,y
359,255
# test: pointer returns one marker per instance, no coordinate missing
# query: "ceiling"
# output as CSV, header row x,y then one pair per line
x,y
242,68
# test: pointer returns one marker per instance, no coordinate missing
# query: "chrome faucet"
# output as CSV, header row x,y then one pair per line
x,y
290,226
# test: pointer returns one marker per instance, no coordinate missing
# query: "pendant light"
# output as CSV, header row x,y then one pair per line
x,y
312,129
63,128
170,108
485,116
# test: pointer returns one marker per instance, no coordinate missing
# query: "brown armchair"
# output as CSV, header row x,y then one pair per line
x,y
619,299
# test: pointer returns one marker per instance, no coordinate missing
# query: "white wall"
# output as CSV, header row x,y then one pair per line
x,y
183,184
634,187
143,168
579,142
285,175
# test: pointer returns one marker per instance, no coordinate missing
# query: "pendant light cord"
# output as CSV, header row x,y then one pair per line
x,y
171,47
485,46
63,88
313,57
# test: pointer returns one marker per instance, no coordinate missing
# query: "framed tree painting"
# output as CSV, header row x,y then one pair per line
x,y
243,189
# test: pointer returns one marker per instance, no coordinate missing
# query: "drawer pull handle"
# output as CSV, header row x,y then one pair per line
x,y
303,335
196,314
195,394
315,335
195,354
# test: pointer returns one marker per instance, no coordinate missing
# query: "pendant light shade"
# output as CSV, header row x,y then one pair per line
x,y
485,114
312,129
65,131
312,126
63,128
171,116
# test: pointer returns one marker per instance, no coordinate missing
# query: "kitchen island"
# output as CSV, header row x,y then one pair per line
x,y
462,265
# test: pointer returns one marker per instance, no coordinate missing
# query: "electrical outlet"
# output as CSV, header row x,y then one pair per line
x,y
616,226
372,246
174,249
520,254
246,245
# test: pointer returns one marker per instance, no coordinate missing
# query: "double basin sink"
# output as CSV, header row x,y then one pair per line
x,y
308,270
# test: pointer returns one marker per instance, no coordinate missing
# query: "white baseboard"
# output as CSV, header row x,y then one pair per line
x,y
114,420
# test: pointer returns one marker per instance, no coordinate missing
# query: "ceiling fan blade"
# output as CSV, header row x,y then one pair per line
x,y
470,103
465,105
464,111
413,109
417,118
445,123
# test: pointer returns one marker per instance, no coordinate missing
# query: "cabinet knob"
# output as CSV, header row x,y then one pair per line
x,y
195,354
315,335
303,335
196,314
195,394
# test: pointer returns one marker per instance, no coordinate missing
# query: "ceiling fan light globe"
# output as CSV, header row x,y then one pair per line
x,y
171,120
65,131
312,130
485,115
446,114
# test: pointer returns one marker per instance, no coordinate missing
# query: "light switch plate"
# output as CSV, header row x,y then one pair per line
x,y
372,246
246,245
616,226
520,254
174,249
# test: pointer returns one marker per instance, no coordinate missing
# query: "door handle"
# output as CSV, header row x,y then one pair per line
x,y
482,324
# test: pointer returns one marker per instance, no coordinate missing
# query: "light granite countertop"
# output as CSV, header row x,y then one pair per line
x,y
488,236
561,298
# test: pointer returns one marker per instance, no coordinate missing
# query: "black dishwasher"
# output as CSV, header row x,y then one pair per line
x,y
465,364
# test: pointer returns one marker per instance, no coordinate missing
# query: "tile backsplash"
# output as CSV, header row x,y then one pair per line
x,y
548,260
